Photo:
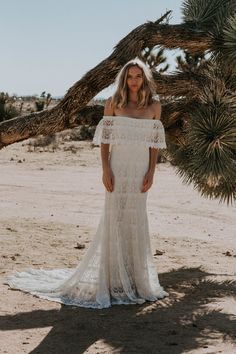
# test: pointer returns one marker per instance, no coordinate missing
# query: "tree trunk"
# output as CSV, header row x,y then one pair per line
x,y
64,115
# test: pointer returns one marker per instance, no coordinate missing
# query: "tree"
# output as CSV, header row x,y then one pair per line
x,y
7,109
43,101
198,109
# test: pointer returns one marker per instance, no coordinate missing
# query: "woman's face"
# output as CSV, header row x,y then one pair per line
x,y
134,78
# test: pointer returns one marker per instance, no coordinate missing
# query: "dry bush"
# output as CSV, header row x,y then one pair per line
x,y
44,143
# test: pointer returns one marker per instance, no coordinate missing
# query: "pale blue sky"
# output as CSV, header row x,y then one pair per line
x,y
48,45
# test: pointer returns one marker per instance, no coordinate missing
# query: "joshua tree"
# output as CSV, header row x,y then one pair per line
x,y
198,105
43,101
7,109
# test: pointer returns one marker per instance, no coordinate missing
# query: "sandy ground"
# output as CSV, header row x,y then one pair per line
x,y
51,201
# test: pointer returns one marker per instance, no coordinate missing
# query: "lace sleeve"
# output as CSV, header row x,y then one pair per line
x,y
103,133
157,137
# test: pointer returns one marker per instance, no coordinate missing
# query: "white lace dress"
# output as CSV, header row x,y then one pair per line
x,y
118,267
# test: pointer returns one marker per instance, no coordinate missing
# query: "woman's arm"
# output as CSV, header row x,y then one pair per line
x,y
153,154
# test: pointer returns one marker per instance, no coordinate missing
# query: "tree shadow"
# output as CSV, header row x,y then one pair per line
x,y
173,325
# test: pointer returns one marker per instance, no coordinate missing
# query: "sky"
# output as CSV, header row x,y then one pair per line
x,y
48,45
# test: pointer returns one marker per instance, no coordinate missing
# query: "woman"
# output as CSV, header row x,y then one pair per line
x,y
118,267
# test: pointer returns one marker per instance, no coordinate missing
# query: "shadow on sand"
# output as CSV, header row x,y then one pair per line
x,y
173,325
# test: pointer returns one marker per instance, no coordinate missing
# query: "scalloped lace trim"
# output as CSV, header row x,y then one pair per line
x,y
125,130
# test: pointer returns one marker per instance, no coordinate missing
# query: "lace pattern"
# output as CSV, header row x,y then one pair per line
x,y
125,130
118,267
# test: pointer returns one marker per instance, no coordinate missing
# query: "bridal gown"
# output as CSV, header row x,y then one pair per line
x,y
118,267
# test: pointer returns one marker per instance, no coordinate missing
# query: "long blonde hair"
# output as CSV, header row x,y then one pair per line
x,y
145,93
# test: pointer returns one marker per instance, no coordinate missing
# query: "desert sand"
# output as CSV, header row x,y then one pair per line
x,y
50,207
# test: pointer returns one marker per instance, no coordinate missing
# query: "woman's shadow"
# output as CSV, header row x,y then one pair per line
x,y
171,325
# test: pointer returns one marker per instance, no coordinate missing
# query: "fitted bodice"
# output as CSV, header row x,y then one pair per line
x,y
116,130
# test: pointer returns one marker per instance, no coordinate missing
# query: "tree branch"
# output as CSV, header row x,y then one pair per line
x,y
64,115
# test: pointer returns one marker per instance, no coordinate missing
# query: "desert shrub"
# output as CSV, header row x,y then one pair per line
x,y
44,143
83,133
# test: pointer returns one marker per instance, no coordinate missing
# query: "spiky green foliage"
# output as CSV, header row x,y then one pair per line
x,y
190,63
217,19
154,58
229,39
208,156
208,15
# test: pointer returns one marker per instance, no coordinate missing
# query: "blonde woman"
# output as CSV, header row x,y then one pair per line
x,y
118,267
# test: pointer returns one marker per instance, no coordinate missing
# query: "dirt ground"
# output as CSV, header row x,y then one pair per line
x,y
50,201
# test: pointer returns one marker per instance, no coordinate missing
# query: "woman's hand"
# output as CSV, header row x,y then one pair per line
x,y
147,181
108,179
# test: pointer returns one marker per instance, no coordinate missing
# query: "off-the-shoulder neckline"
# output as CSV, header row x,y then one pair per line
x,y
133,118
